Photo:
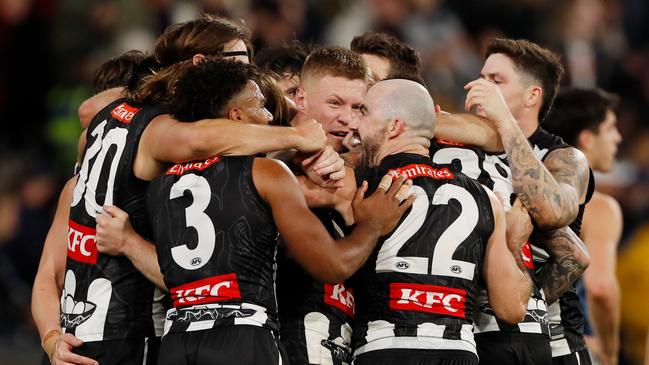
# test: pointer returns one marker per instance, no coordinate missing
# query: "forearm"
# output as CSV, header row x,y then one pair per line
x,y
548,205
469,129
46,299
605,318
226,137
351,252
568,261
143,256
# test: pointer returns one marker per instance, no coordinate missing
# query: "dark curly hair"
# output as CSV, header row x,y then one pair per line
x,y
203,91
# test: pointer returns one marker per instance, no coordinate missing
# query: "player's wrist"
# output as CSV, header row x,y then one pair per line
x,y
50,341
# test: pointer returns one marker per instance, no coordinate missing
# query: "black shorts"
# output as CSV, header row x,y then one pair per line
x,y
232,345
132,351
416,357
576,358
504,348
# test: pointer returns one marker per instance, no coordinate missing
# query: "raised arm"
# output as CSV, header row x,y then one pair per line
x,y
509,287
91,106
308,241
568,261
551,195
469,129
170,141
601,233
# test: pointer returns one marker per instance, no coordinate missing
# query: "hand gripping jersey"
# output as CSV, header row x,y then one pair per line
x,y
417,289
105,297
216,245
493,172
315,318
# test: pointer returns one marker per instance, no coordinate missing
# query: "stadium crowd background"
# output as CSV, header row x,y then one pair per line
x,y
50,49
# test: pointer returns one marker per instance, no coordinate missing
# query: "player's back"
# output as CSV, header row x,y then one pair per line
x,y
104,297
216,244
417,289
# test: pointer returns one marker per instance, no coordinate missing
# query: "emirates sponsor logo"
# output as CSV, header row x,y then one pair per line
x,y
124,113
428,298
208,290
340,297
81,243
449,143
181,168
420,170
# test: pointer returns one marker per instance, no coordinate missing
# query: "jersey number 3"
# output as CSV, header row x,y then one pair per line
x,y
442,258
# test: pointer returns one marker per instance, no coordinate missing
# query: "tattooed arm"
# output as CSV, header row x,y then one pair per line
x,y
551,193
568,260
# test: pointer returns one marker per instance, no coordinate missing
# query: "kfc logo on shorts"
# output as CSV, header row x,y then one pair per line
x,y
209,290
81,243
124,113
428,298
340,297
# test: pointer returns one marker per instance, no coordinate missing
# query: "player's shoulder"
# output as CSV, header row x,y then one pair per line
x,y
605,205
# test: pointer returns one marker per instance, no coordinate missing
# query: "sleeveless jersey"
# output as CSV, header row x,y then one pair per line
x,y
315,318
417,289
566,317
493,172
106,297
216,244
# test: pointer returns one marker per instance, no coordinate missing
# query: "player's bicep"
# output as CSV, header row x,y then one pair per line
x,y
469,129
569,167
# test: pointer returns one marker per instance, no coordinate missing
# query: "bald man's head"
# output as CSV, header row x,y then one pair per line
x,y
395,111
405,100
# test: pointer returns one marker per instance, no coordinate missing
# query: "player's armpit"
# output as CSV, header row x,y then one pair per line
x,y
508,287
468,129
568,261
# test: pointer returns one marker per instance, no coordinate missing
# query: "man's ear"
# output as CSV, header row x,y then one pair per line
x,y
198,58
534,97
395,128
585,140
234,114
300,99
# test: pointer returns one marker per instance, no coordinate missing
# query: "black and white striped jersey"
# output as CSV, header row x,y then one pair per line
x,y
418,287
216,244
106,297
315,318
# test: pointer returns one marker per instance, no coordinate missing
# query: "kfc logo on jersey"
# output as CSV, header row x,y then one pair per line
x,y
124,113
208,290
418,170
527,255
181,168
340,297
428,298
81,243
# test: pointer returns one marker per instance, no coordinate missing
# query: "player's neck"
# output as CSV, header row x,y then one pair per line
x,y
409,145
528,124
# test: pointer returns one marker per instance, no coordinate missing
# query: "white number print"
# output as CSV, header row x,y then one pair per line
x,y
443,263
89,175
192,259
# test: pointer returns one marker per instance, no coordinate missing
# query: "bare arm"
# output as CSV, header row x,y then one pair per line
x,y
48,284
469,129
509,288
551,193
308,241
91,106
568,261
601,232
115,236
170,141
